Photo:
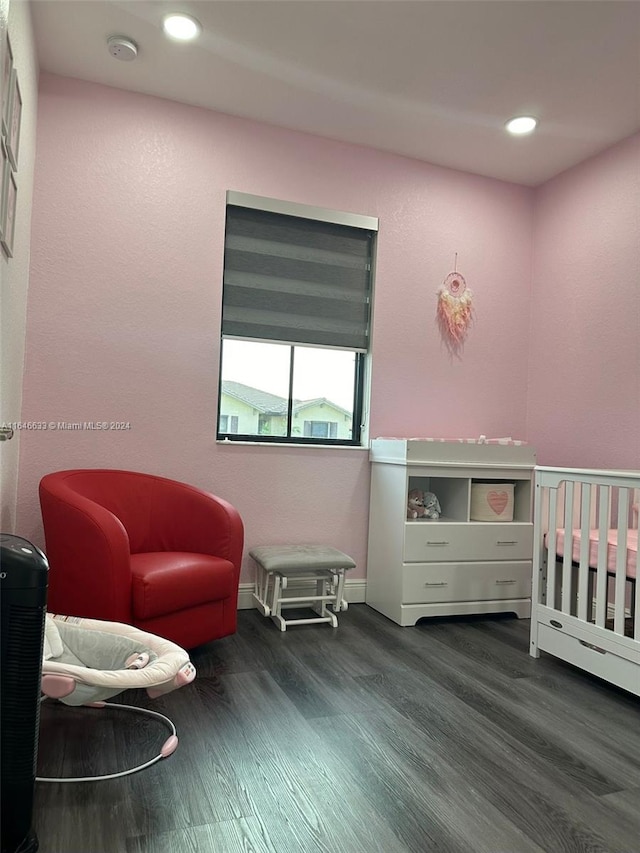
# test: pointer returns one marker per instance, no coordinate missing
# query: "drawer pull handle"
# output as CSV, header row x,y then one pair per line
x,y
591,646
507,542
437,543
439,583
506,581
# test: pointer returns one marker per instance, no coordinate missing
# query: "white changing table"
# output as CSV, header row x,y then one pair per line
x,y
276,565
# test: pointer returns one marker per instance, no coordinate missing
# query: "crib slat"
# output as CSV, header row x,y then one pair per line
x,y
540,511
552,549
621,560
568,547
584,605
633,524
576,504
636,613
601,571
593,515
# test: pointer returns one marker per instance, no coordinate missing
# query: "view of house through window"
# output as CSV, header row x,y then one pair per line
x,y
260,379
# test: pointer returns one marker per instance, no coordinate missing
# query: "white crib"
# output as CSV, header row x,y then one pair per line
x,y
585,609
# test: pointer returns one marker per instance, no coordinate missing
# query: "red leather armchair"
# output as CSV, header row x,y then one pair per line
x,y
154,553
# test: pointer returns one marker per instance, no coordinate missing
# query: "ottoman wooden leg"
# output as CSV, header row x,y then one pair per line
x,y
276,601
261,587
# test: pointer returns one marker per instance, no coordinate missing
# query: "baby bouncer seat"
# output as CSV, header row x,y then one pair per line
x,y
86,661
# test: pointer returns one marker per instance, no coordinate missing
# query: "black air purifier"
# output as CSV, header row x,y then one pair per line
x,y
23,600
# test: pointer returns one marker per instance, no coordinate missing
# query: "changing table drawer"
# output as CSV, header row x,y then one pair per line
x,y
466,581
429,541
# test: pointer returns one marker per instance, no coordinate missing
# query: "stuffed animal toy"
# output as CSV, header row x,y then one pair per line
x,y
415,504
422,505
431,505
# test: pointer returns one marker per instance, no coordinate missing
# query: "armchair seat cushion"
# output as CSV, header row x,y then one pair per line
x,y
166,581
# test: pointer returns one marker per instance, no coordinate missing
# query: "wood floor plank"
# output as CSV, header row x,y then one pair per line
x,y
444,737
86,735
482,646
245,835
502,702
403,764
550,727
278,757
534,792
320,685
626,803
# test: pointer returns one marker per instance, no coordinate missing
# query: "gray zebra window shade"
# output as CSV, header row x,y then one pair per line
x,y
296,280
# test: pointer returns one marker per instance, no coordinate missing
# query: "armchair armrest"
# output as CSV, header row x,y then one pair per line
x,y
88,552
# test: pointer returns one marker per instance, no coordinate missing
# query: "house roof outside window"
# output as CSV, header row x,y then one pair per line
x,y
271,404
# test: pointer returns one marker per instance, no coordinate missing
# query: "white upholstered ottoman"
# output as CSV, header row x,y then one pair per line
x,y
276,565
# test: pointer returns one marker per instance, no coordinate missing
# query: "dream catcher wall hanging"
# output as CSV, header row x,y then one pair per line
x,y
455,309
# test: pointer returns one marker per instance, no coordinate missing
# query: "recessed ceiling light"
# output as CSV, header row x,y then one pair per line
x,y
182,27
521,125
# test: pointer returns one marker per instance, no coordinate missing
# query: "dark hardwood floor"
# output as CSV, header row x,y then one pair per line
x,y
369,737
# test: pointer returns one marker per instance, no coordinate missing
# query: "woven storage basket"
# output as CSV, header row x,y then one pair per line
x,y
491,502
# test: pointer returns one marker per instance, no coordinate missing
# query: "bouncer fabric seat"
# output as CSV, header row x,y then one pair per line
x,y
146,551
85,661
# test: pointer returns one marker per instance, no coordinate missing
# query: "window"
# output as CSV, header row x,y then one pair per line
x,y
321,429
228,423
296,312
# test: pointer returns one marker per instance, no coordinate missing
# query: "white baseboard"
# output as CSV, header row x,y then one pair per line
x,y
354,592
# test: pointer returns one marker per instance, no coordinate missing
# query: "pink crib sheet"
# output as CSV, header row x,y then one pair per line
x,y
612,548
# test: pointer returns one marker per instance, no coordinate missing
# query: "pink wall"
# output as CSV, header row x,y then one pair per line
x,y
584,378
124,303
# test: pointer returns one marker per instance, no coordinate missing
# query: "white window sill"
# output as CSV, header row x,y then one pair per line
x,y
226,443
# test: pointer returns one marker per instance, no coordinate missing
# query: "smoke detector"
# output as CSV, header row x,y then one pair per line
x,y
122,48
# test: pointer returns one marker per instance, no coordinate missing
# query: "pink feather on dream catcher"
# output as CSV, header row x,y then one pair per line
x,y
455,309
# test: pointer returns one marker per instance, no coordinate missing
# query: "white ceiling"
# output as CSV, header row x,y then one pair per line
x,y
431,79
